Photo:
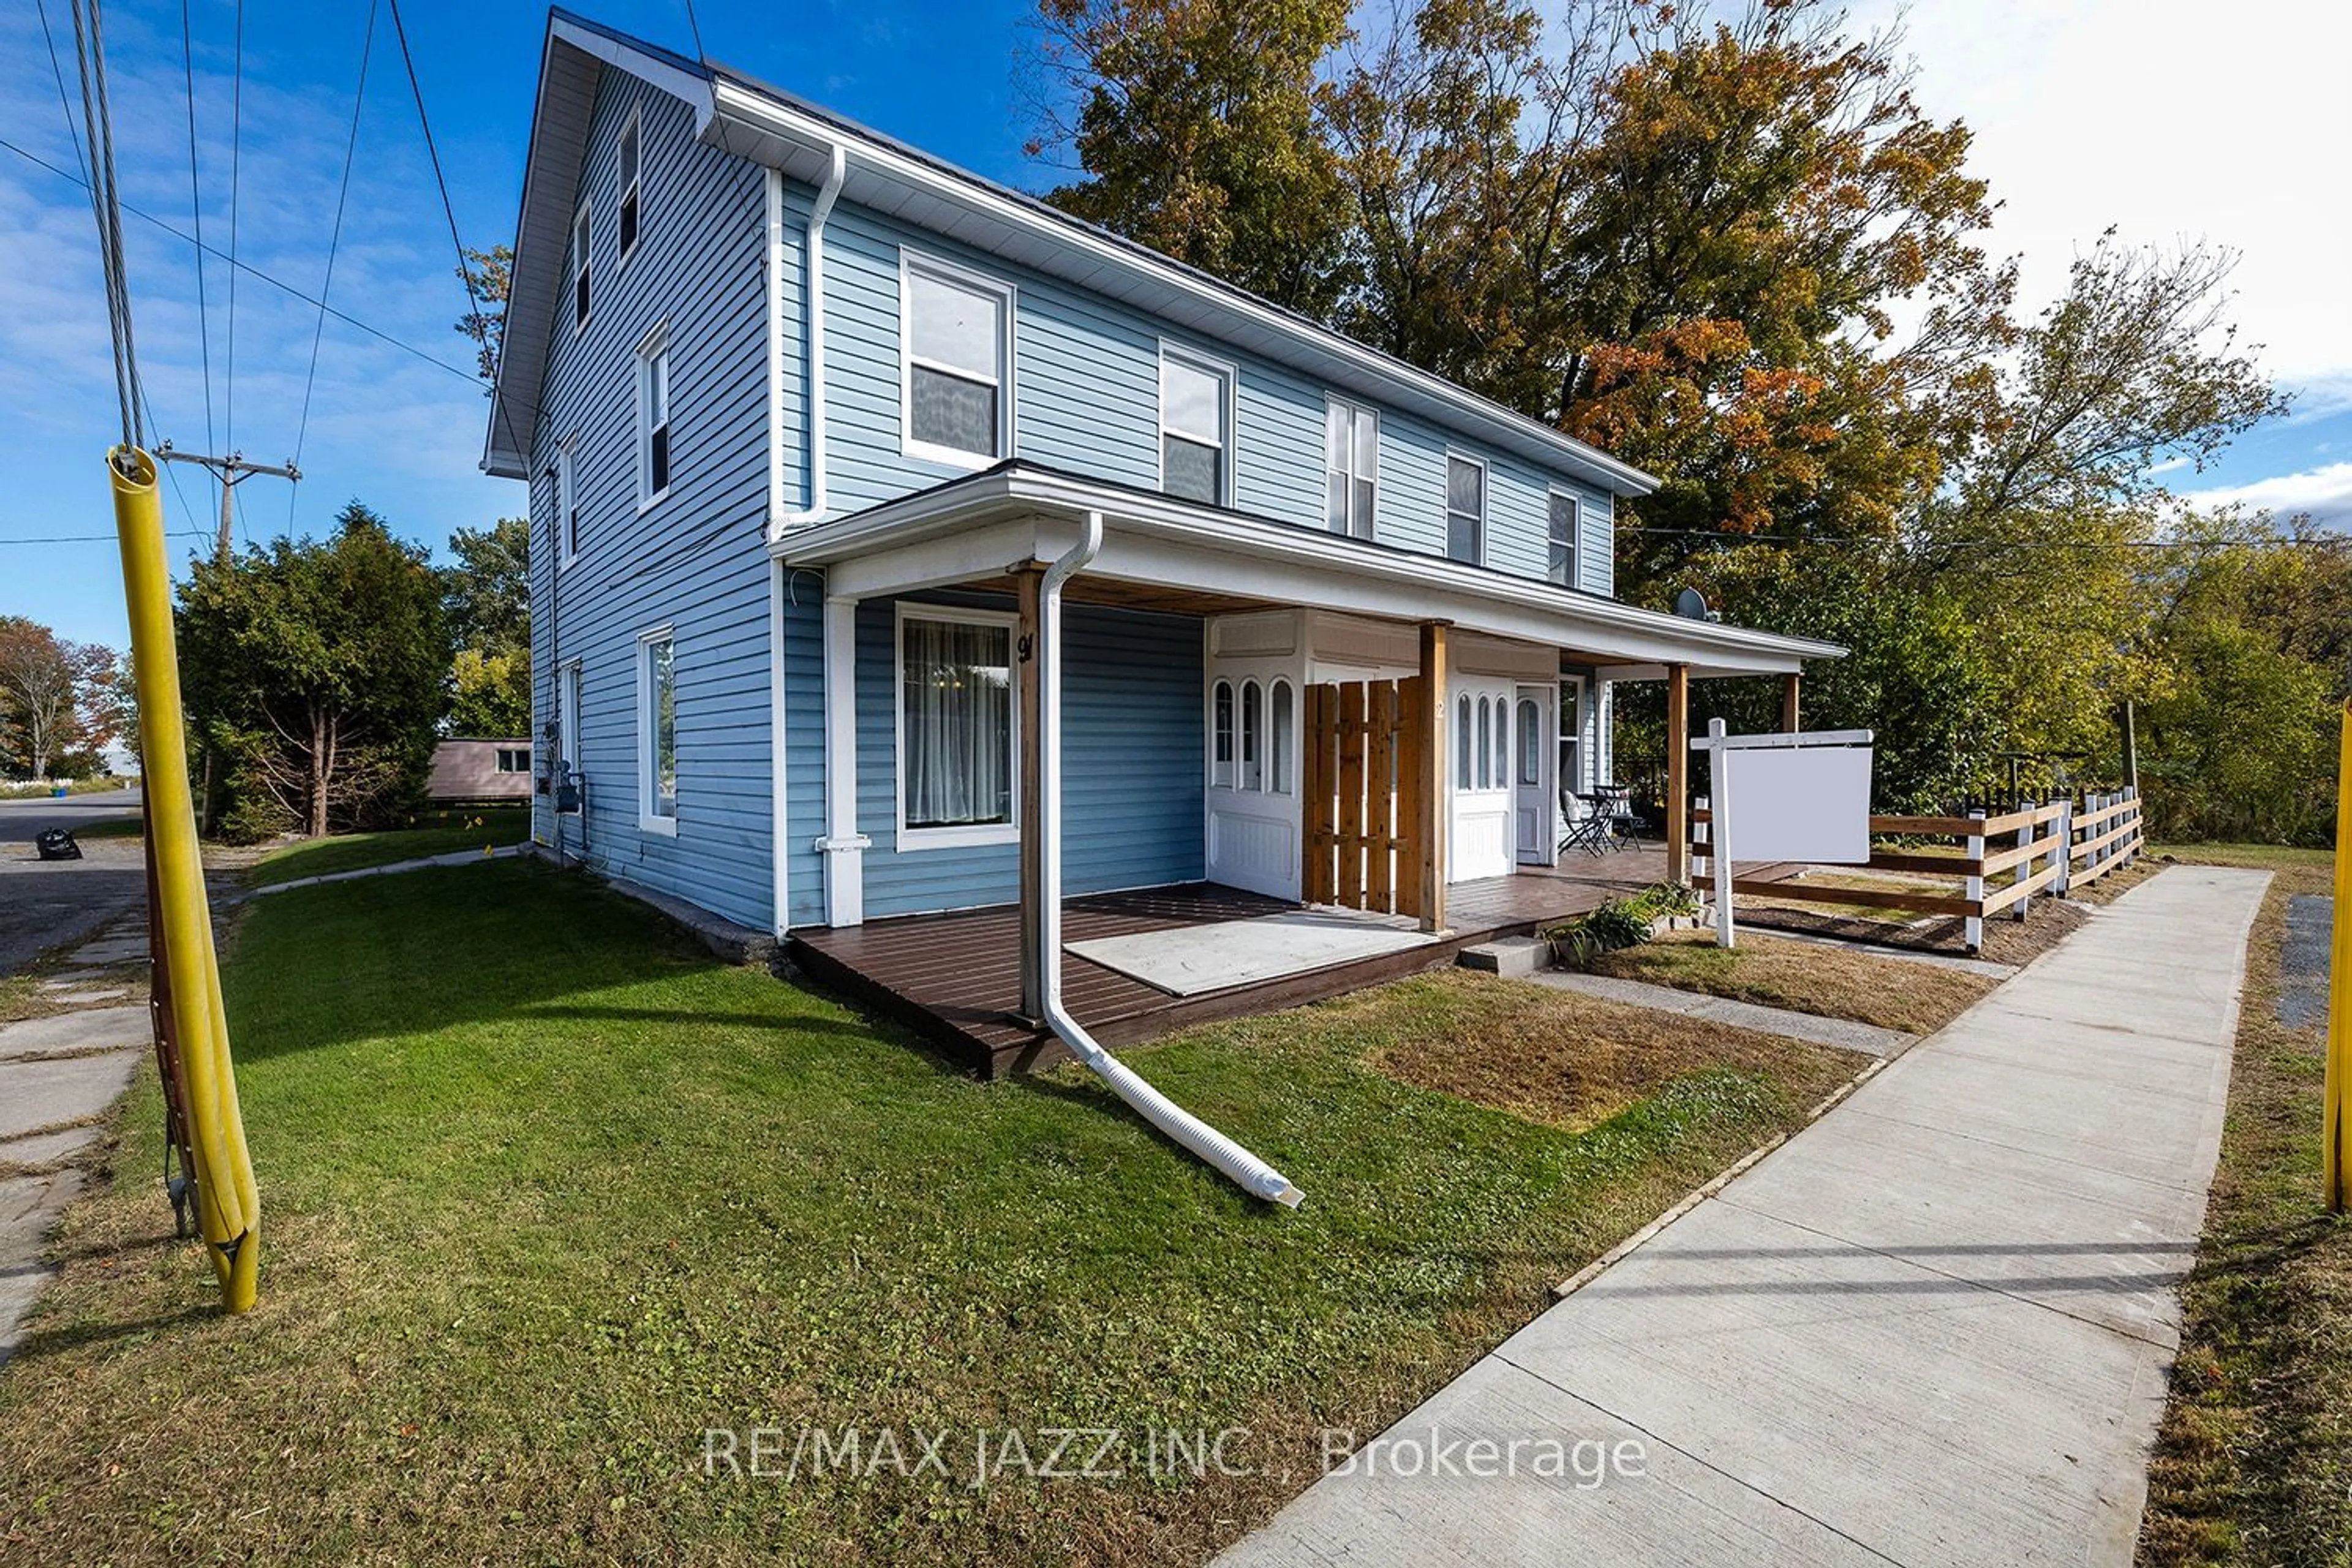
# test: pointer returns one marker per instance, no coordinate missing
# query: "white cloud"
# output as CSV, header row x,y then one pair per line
x,y
2325,493
2171,122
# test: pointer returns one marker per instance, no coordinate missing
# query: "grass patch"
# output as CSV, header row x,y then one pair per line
x,y
431,833
1807,977
548,1191
2254,1463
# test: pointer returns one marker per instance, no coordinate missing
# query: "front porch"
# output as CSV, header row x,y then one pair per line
x,y
955,978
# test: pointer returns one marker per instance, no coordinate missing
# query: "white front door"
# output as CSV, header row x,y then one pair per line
x,y
1531,773
1480,841
1252,784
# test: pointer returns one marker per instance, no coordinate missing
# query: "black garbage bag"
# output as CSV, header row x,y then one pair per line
x,y
57,843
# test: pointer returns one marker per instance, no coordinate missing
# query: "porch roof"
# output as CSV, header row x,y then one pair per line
x,y
969,530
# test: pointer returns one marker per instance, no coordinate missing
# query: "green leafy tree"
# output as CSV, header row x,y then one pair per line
x,y
489,694
59,701
319,668
1196,125
487,598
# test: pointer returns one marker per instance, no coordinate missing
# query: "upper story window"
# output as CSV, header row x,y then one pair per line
x,y
1465,510
1352,466
580,234
1559,533
567,504
956,344
653,418
631,184
1196,419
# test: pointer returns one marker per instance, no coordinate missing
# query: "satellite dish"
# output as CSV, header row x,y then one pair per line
x,y
1691,605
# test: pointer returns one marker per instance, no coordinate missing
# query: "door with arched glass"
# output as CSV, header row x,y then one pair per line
x,y
1255,711
1532,763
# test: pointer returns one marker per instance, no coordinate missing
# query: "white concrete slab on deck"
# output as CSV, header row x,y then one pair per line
x,y
1933,1328
1188,960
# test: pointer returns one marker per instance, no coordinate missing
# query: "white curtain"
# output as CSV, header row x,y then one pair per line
x,y
957,713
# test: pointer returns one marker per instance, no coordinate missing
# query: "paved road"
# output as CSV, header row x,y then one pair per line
x,y
44,904
1934,1328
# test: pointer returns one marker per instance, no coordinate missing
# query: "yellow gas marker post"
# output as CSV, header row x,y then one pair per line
x,y
2335,1142
228,1209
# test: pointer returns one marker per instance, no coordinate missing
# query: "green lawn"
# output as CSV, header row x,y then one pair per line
x,y
432,833
548,1191
2255,1461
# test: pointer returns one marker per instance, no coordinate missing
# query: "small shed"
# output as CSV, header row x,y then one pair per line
x,y
473,770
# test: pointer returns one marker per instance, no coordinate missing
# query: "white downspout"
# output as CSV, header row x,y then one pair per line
x,y
813,381
1253,1175
779,520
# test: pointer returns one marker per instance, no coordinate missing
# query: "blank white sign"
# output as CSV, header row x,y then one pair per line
x,y
1798,803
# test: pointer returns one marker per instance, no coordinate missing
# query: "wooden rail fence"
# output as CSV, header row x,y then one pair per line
x,y
2000,862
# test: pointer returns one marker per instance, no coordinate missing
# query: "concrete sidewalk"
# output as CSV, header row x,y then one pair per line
x,y
1934,1328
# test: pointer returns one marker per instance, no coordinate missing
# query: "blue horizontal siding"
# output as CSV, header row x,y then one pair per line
x,y
1131,764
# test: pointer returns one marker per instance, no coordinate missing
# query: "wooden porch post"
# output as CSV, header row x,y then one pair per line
x,y
1431,798
1028,724
1678,752
1790,685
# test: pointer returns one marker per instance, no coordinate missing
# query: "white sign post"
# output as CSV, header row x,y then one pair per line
x,y
1798,797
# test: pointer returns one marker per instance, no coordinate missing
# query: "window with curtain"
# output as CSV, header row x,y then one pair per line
x,y
1195,398
1352,443
1281,741
955,723
1465,510
956,341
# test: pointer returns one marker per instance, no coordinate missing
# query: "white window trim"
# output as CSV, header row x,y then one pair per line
x,y
916,838
570,696
1333,400
582,218
636,123
648,820
653,345
1485,502
1231,374
1575,534
911,261
567,549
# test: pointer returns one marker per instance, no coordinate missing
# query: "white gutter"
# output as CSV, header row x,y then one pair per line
x,y
1248,1172
812,308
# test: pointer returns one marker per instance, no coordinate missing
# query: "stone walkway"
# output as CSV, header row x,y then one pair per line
x,y
1933,1328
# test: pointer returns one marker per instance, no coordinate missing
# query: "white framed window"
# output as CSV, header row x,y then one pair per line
x,y
1281,738
1486,743
658,731
1461,741
1253,762
1466,509
582,231
632,183
567,504
567,714
958,782
513,760
653,417
955,354
1530,742
1351,468
1221,735
1561,521
1196,426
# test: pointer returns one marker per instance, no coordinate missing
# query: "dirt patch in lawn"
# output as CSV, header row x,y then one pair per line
x,y
1807,977
1573,1061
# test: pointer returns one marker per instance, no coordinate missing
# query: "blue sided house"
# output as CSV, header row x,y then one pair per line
x,y
913,564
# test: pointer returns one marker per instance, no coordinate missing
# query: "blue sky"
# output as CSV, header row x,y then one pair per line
x,y
2080,124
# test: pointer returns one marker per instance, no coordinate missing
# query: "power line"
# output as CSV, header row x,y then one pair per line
x,y
90,54
334,240
235,167
248,269
448,209
196,211
696,27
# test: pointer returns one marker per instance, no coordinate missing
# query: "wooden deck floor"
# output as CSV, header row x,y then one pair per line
x,y
956,978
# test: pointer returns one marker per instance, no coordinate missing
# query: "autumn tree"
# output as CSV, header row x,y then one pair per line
x,y
1196,125
321,666
59,699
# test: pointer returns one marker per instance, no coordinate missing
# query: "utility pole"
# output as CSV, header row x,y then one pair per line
x,y
233,470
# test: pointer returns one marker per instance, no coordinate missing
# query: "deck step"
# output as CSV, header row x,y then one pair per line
x,y
1516,957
